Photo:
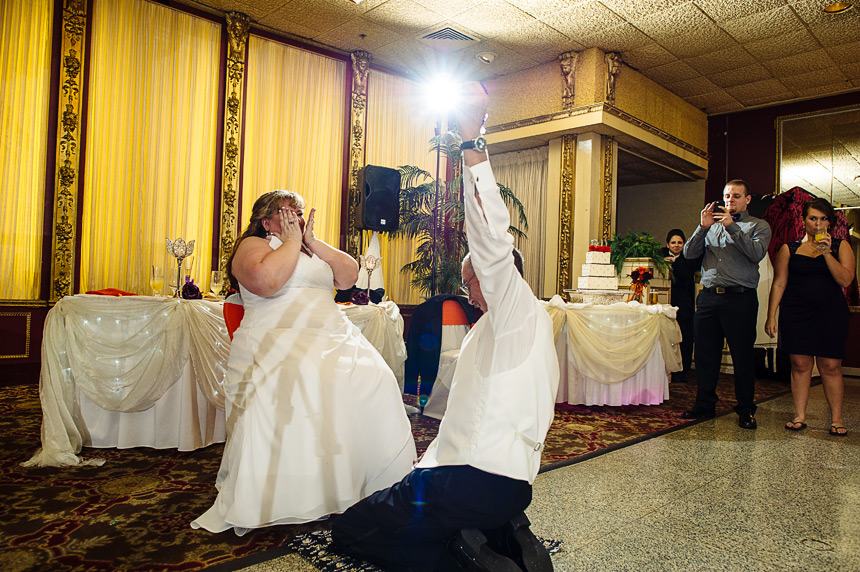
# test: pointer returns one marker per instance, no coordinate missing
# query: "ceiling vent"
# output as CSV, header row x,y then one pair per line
x,y
448,39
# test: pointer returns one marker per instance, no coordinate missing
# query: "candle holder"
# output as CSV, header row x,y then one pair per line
x,y
369,263
180,250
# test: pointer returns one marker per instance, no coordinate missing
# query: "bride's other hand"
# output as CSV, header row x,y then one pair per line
x,y
308,236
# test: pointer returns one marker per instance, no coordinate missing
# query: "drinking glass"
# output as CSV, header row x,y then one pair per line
x,y
215,283
156,279
819,235
188,263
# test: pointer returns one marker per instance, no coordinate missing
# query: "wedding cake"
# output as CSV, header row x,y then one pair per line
x,y
598,273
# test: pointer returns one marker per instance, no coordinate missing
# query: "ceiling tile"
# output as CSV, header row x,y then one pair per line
x,y
541,8
649,56
536,39
696,86
618,39
851,71
257,10
682,19
403,16
631,9
738,76
583,19
347,36
817,78
812,12
493,18
768,24
348,5
782,46
671,73
801,63
845,53
722,10
835,33
821,90
449,8
730,58
316,15
714,100
704,40
281,25
756,92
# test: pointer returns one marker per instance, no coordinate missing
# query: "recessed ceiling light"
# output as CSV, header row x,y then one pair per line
x,y
838,7
485,57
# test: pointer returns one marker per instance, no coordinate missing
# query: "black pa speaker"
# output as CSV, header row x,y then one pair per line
x,y
379,201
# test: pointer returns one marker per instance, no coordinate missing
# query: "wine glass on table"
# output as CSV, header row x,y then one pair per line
x,y
156,279
216,282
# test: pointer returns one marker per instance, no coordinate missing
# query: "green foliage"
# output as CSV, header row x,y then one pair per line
x,y
417,217
637,244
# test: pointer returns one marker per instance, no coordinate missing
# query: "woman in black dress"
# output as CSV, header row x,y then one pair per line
x,y
809,275
683,295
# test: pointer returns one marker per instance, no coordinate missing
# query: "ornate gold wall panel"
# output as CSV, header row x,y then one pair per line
x,y
566,210
28,319
66,176
606,203
357,138
238,25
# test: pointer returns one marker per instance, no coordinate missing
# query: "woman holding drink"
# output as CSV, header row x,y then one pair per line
x,y
809,275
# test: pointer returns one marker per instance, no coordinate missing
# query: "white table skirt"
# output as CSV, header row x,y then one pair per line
x,y
189,341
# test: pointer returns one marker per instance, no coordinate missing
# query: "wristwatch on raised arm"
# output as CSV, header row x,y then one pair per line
x,y
478,144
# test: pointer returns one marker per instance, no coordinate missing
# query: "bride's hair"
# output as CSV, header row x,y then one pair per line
x,y
264,207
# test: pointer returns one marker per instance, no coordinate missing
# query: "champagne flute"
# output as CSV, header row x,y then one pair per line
x,y
215,283
156,279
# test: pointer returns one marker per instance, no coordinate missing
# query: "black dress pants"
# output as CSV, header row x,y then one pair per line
x,y
731,317
407,527
685,322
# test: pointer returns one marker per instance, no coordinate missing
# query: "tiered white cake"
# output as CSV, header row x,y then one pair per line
x,y
598,273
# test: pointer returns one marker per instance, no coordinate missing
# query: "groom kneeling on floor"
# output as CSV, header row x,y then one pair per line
x,y
461,507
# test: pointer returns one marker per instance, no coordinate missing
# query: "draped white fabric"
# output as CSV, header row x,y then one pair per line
x,y
611,343
126,354
525,173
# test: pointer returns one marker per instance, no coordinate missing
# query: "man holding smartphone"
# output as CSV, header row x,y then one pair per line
x,y
732,243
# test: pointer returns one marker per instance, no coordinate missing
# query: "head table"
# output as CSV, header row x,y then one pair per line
x,y
608,354
144,371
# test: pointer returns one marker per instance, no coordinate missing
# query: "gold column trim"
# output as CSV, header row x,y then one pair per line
x,y
606,207
26,354
357,141
238,25
566,210
66,175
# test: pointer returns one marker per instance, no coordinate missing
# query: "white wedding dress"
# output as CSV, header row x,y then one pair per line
x,y
315,419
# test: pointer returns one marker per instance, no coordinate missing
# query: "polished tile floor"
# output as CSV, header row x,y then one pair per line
x,y
709,497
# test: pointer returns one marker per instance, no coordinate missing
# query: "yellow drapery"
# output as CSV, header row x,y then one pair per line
x,y
294,118
25,75
151,143
399,130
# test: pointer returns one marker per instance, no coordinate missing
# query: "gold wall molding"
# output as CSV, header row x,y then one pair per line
x,y
613,66
357,138
608,177
23,303
568,73
606,108
565,213
29,317
66,176
238,25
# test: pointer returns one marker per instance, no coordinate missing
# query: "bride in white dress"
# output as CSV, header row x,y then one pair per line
x,y
315,419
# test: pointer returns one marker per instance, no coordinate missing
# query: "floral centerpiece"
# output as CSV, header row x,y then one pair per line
x,y
639,280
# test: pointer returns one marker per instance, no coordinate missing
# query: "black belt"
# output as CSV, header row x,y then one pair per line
x,y
727,289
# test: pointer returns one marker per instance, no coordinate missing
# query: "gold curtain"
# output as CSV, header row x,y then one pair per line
x,y
25,76
150,167
294,117
399,130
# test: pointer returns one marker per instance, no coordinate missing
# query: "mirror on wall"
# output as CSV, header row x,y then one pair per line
x,y
820,152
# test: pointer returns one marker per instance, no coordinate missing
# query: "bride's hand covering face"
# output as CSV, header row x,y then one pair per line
x,y
308,227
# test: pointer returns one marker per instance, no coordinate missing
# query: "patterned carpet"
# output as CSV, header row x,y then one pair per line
x,y
132,514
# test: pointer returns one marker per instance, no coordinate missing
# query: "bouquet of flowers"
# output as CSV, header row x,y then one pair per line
x,y
640,278
190,291
599,248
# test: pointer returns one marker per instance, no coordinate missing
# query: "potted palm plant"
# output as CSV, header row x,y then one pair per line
x,y
436,221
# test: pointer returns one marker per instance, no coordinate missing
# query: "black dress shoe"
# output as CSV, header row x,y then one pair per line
x,y
746,421
472,554
698,413
516,541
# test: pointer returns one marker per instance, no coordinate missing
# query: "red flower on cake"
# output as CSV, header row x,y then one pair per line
x,y
594,248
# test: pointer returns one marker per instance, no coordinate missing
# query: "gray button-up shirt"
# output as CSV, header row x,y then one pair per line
x,y
731,253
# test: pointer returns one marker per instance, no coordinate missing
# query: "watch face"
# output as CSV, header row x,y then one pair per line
x,y
480,144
